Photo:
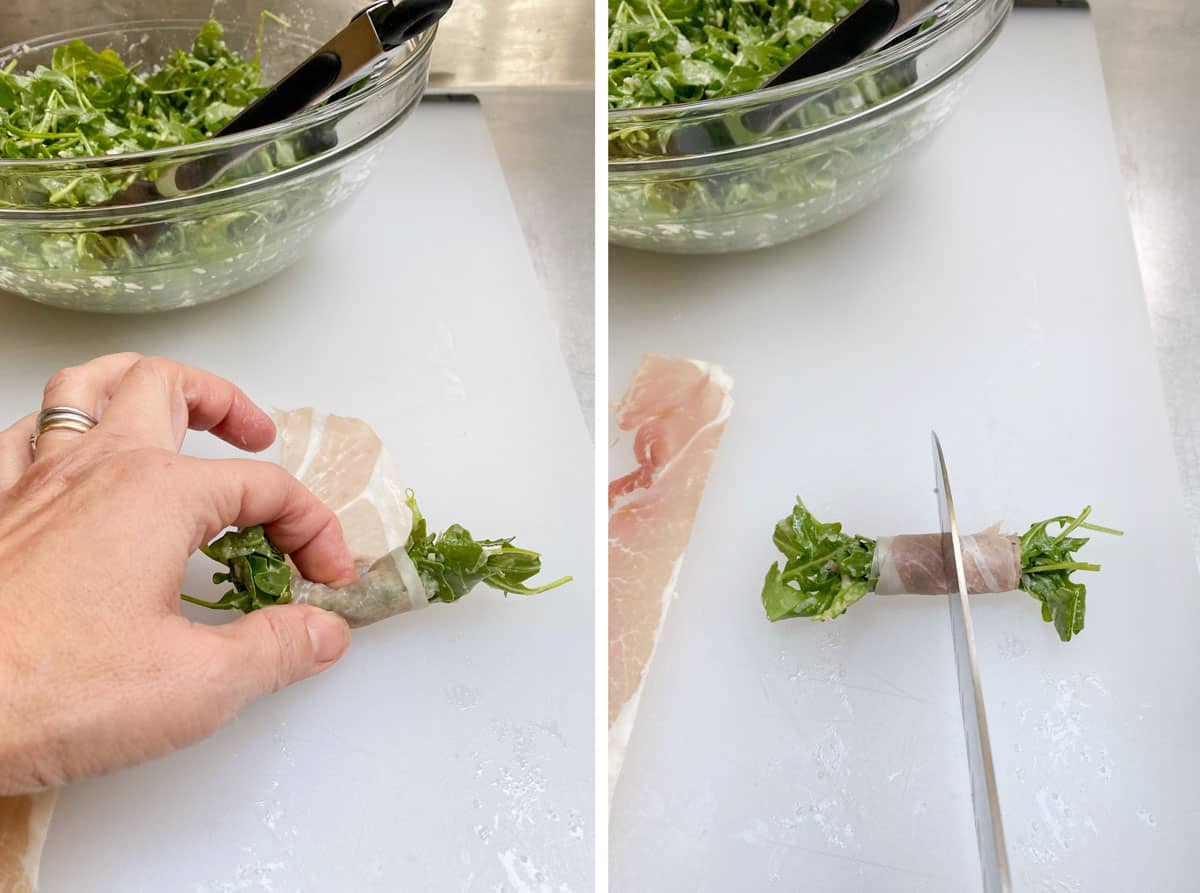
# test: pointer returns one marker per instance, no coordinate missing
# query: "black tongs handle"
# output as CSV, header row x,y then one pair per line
x,y
406,19
330,72
313,77
868,26
373,33
870,21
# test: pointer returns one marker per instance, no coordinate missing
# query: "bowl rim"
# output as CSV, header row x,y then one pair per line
x,y
419,48
662,114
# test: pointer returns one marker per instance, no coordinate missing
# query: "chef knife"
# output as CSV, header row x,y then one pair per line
x,y
989,829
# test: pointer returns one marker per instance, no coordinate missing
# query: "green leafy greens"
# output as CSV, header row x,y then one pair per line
x,y
1047,562
662,52
825,573
450,564
827,570
92,102
258,573
454,563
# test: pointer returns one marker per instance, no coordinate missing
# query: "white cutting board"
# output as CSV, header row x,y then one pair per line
x,y
993,294
452,749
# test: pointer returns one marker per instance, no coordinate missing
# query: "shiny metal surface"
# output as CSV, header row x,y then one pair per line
x,y
985,798
1151,68
501,44
552,183
482,44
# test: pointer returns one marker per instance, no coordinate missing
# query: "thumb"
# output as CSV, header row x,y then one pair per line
x,y
276,646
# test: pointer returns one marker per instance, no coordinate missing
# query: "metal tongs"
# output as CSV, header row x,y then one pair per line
x,y
373,35
871,25
985,799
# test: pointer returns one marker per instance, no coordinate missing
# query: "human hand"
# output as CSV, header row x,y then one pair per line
x,y
98,670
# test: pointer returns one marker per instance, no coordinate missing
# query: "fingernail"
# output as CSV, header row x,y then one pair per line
x,y
329,635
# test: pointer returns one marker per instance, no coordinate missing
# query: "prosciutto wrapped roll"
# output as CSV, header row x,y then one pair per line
x,y
912,564
826,570
402,566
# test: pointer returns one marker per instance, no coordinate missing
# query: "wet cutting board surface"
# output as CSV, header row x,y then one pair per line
x,y
451,749
1005,310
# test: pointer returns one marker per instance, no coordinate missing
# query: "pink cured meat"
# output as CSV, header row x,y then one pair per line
x,y
24,823
914,564
678,409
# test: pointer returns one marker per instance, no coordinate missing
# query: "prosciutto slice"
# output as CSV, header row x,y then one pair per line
x,y
676,409
343,462
24,823
914,564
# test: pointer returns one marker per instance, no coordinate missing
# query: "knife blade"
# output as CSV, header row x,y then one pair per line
x,y
989,829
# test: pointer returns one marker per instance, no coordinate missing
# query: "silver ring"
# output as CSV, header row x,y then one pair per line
x,y
62,418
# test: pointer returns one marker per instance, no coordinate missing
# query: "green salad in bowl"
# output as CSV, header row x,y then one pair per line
x,y
701,160
87,116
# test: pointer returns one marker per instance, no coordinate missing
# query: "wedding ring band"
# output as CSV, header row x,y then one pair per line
x,y
62,418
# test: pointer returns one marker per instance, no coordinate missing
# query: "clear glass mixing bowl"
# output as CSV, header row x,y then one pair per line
x,y
251,223
762,168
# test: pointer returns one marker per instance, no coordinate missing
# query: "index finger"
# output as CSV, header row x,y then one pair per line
x,y
244,492
157,400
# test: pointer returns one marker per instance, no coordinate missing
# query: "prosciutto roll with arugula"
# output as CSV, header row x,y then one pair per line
x,y
402,566
825,571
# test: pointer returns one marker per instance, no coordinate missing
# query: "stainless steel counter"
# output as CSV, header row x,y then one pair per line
x,y
544,141
531,63
485,45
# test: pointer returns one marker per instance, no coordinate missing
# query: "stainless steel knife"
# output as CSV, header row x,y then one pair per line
x,y
989,829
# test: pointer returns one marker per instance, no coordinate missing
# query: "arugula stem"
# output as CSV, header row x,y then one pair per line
x,y
1061,566
1067,529
201,602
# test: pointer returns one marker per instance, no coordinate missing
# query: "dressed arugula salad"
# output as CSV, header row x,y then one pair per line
x,y
667,51
69,234
743,185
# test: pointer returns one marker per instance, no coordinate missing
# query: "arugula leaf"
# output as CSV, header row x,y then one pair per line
x,y
1047,562
450,565
257,571
454,563
825,573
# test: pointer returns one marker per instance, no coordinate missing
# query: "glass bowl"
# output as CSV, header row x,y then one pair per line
x,y
251,223
748,171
